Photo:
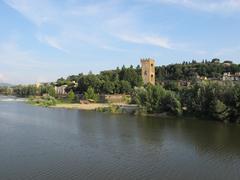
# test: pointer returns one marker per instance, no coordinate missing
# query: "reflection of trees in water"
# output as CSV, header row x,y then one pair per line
x,y
213,137
119,135
135,131
203,136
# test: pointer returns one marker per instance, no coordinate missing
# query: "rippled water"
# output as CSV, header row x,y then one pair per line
x,y
41,143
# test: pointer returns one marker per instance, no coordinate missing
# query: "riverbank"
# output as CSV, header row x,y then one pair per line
x,y
92,106
48,101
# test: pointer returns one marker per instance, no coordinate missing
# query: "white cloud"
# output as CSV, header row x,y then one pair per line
x,y
146,39
219,6
39,12
51,41
90,23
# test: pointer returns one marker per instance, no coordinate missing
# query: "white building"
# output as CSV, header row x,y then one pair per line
x,y
231,77
60,90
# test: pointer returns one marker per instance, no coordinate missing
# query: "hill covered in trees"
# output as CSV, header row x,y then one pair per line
x,y
123,80
190,70
5,85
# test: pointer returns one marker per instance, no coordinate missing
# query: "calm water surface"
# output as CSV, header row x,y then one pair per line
x,y
40,143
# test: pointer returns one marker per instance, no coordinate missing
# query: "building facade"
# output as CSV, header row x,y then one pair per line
x,y
231,77
148,71
61,90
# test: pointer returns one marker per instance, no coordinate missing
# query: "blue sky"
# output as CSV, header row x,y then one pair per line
x,y
43,40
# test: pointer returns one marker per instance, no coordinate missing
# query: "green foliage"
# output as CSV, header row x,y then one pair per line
x,y
90,94
111,109
44,101
6,90
219,110
108,87
171,85
189,70
51,91
25,91
32,90
71,96
131,75
111,82
155,99
125,87
61,81
216,100
89,80
170,103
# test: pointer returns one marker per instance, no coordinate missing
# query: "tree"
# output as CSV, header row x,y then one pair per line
x,y
125,87
155,99
218,101
71,96
89,80
61,81
171,104
219,110
51,91
108,87
130,75
90,94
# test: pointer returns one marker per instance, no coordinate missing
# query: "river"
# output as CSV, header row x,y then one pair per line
x,y
40,143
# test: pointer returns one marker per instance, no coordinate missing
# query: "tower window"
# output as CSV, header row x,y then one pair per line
x,y
151,77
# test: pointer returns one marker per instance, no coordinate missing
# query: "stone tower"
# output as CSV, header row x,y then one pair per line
x,y
148,71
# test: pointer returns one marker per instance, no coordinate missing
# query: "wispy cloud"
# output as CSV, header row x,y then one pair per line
x,y
147,40
90,23
38,12
51,41
219,6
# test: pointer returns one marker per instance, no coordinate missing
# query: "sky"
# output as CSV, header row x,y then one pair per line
x,y
41,41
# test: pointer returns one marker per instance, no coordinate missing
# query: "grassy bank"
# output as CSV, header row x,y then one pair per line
x,y
92,106
44,101
49,101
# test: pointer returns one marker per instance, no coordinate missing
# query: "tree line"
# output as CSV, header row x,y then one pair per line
x,y
118,81
213,100
190,70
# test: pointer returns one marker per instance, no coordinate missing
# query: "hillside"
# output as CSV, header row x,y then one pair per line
x,y
5,85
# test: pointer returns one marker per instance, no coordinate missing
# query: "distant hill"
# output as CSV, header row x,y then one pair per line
x,y
5,85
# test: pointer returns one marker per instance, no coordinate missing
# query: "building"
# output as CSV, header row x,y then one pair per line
x,y
148,71
114,98
227,63
216,61
231,77
38,85
61,90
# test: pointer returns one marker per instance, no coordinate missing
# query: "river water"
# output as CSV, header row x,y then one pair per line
x,y
41,143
